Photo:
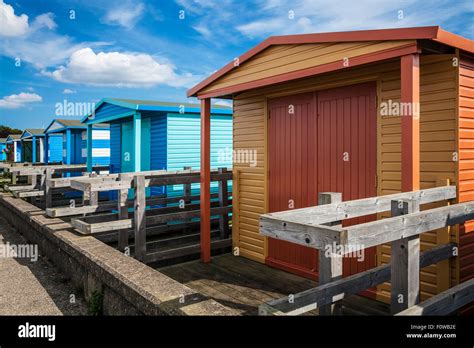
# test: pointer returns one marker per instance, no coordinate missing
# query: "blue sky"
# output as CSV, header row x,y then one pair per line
x,y
82,51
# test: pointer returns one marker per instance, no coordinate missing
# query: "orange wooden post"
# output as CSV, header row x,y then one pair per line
x,y
205,180
410,105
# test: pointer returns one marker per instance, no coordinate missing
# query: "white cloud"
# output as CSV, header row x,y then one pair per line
x,y
223,102
36,42
203,30
69,91
119,70
217,21
12,25
126,15
44,20
201,6
329,15
32,50
16,101
15,26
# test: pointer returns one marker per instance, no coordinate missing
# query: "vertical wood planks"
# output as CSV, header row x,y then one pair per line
x,y
140,218
48,190
405,263
205,180
410,96
93,195
223,202
122,214
330,264
89,148
137,141
187,194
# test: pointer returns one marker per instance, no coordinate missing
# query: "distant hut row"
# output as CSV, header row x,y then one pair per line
x,y
130,135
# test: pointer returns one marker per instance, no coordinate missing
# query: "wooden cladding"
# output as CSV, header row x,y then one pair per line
x,y
466,163
438,95
278,60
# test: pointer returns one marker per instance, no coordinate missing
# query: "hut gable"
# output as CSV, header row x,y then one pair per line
x,y
284,59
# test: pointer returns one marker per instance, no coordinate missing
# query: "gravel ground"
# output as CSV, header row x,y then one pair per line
x,y
33,288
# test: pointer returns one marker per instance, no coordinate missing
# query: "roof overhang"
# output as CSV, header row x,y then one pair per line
x,y
57,127
27,135
11,139
434,33
137,107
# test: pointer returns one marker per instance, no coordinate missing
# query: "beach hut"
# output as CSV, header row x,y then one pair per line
x,y
364,113
3,149
14,148
151,135
70,138
32,142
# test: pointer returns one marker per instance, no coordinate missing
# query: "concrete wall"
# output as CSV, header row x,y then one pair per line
x,y
128,287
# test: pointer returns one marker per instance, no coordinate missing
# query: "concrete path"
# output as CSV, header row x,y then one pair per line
x,y
29,287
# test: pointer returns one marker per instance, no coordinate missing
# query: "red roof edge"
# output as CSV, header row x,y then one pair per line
x,y
454,40
417,33
250,53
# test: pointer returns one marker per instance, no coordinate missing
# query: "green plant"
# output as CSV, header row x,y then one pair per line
x,y
95,303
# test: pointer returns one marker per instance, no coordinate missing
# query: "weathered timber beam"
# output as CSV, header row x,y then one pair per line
x,y
87,228
325,294
387,230
25,194
185,179
99,184
446,302
317,236
162,218
186,250
68,211
19,187
350,209
62,182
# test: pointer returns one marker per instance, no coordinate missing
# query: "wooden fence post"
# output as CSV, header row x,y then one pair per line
x,y
48,189
405,262
223,202
330,263
93,195
34,185
122,208
140,218
42,187
187,191
235,214
443,236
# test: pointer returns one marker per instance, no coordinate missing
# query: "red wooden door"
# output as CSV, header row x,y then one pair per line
x,y
293,174
327,144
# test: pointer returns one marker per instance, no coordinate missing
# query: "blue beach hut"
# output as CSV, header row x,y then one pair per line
x,y
70,138
32,143
14,147
3,149
153,135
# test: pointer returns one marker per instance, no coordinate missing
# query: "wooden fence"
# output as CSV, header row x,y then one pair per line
x,y
169,221
38,177
320,228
